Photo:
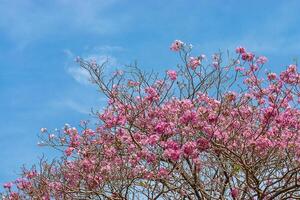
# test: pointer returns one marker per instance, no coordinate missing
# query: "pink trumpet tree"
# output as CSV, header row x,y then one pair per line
x,y
215,128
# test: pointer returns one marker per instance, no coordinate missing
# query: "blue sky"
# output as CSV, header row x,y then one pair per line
x,y
41,86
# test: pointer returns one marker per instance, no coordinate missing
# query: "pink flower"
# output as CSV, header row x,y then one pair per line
x,y
231,96
234,193
239,69
8,185
188,116
172,154
55,185
176,45
292,68
88,132
189,148
261,60
31,174
203,144
152,94
162,173
159,83
172,74
290,76
194,63
14,196
133,83
170,144
69,151
153,139
87,165
247,56
240,50
161,127
23,184
271,76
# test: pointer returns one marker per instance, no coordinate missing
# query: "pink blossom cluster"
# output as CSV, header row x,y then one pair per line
x,y
194,63
176,45
172,74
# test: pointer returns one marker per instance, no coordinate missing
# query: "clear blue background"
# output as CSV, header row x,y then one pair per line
x,y
41,86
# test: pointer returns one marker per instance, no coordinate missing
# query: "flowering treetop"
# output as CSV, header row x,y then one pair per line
x,y
210,129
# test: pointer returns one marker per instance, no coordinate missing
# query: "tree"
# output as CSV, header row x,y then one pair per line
x,y
215,128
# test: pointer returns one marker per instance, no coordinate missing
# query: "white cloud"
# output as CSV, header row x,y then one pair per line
x,y
111,61
80,75
68,53
76,106
81,102
28,20
67,103
108,48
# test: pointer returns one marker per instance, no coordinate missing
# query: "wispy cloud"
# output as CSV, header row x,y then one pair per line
x,y
83,109
27,21
81,75
82,104
105,48
111,60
